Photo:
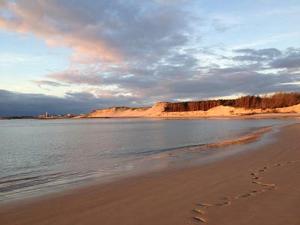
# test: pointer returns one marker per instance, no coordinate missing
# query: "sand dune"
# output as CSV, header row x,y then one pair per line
x,y
158,110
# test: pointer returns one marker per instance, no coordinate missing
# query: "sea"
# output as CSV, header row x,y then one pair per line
x,y
39,157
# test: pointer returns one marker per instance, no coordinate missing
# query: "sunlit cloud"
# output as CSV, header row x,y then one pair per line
x,y
43,19
153,50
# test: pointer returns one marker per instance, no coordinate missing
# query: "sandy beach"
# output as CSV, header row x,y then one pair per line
x,y
260,186
149,112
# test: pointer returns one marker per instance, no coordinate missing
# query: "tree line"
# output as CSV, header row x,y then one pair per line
x,y
277,100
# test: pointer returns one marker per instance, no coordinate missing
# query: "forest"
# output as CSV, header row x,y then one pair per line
x,y
277,100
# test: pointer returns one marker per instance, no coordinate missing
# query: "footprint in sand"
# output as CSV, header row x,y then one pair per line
x,y
263,169
200,219
253,192
255,177
256,182
205,205
226,201
223,203
268,185
246,195
199,211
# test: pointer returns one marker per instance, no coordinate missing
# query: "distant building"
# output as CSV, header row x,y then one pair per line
x,y
44,116
58,116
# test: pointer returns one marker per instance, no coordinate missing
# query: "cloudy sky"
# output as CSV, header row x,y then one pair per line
x,y
73,56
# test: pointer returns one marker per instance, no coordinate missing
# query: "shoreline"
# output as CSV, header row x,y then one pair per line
x,y
173,196
178,117
245,116
214,151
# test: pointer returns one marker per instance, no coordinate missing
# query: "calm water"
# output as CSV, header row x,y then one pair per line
x,y
38,156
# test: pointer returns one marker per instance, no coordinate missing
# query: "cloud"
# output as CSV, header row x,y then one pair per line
x,y
114,31
223,83
290,60
180,76
176,77
287,59
42,83
52,21
137,79
19,104
248,54
138,52
76,77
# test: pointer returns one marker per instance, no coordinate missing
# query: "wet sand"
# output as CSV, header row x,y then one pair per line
x,y
260,187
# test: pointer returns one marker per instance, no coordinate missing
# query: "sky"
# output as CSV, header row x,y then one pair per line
x,y
73,56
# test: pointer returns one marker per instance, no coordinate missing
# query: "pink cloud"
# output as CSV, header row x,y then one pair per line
x,y
76,77
31,17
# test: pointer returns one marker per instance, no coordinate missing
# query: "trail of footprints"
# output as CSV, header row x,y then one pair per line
x,y
199,213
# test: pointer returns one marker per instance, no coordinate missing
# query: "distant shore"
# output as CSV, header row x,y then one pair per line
x,y
279,103
187,116
160,110
258,187
265,115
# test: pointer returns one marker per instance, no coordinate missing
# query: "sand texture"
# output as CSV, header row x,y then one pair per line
x,y
261,186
